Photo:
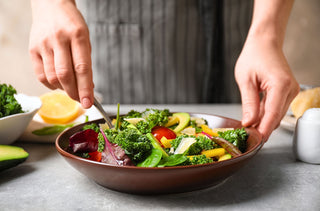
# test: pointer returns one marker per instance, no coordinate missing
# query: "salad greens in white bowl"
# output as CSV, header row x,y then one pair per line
x,y
13,124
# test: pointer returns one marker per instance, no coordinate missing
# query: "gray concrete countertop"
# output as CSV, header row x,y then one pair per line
x,y
272,180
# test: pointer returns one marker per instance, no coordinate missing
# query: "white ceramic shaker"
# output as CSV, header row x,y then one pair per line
x,y
306,140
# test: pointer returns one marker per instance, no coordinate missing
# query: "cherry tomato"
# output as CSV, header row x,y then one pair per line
x,y
160,131
95,156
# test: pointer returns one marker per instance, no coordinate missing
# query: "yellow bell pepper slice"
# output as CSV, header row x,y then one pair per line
x,y
209,131
165,142
217,152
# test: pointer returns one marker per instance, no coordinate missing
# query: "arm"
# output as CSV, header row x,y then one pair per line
x,y
60,48
263,68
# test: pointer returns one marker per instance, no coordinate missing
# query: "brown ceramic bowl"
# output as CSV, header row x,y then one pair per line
x,y
179,179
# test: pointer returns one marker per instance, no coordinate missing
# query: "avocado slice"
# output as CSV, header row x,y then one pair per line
x,y
225,157
11,156
184,119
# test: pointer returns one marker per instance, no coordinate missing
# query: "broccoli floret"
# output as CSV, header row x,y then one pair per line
x,y
198,159
136,145
8,104
153,118
92,126
237,137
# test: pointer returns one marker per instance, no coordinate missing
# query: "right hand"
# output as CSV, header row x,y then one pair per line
x,y
60,49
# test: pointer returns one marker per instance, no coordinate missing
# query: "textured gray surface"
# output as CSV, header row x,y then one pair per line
x,y
273,180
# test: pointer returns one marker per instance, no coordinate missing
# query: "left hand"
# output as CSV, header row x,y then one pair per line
x,y
262,69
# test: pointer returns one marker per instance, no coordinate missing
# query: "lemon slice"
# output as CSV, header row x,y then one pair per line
x,y
58,108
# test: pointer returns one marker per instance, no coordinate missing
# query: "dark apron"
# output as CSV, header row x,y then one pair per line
x,y
166,51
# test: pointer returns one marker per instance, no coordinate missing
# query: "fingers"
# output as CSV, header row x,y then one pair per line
x,y
250,101
60,49
65,63
277,101
64,69
49,68
272,113
81,55
37,65
66,66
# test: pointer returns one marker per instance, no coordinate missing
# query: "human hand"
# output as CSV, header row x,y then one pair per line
x,y
60,49
263,69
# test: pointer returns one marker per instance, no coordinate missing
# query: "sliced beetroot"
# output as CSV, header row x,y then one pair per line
x,y
84,141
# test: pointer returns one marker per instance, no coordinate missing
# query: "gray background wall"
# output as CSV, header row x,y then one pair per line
x,y
302,44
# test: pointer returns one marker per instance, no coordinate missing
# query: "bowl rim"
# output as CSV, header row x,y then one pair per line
x,y
35,107
244,155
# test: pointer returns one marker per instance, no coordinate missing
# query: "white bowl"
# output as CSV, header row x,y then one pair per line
x,y
11,127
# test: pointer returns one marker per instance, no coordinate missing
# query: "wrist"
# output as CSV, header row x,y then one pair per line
x,y
267,32
41,7
43,3
270,19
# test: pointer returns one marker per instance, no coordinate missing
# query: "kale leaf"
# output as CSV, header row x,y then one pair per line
x,y
136,145
92,126
8,104
203,143
237,137
198,159
153,118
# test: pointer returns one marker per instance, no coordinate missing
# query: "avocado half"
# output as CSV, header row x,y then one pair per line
x,y
11,156
184,119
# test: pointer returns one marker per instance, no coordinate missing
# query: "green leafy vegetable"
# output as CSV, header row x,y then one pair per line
x,y
153,118
202,143
92,126
51,130
101,143
82,154
193,124
8,104
175,142
198,159
152,160
133,114
136,145
55,129
173,160
237,137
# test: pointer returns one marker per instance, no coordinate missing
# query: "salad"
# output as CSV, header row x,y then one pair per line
x,y
8,103
157,138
